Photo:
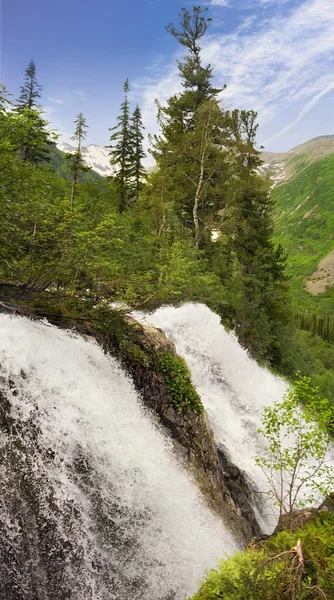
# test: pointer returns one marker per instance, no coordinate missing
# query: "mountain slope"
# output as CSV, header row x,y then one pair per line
x,y
60,165
282,166
94,156
303,191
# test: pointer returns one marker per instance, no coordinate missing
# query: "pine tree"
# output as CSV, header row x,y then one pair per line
x,y
31,89
138,154
121,151
192,132
35,147
178,117
262,307
196,79
77,165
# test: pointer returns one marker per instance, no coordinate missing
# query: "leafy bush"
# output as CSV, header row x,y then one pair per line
x,y
184,395
274,570
298,439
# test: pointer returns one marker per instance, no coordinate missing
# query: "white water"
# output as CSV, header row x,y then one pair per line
x,y
233,387
86,412
234,390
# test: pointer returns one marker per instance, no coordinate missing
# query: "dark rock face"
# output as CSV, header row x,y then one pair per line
x,y
240,489
299,518
192,431
226,487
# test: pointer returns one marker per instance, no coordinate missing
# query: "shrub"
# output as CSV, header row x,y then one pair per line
x,y
184,395
289,566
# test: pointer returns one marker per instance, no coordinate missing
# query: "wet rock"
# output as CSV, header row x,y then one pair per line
x,y
300,518
241,491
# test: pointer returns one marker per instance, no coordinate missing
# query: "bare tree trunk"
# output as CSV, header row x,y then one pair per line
x,y
163,226
74,189
203,157
197,200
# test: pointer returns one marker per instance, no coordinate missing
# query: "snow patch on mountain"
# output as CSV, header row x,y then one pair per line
x,y
93,156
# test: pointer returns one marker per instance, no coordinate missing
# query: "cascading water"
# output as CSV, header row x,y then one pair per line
x,y
234,390
94,505
233,387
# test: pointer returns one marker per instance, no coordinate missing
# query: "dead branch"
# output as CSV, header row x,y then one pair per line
x,y
298,550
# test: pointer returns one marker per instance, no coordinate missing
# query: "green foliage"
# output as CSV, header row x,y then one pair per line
x,y
76,164
298,439
321,325
192,136
30,90
196,79
184,395
34,138
272,571
310,355
33,221
121,151
137,153
132,352
304,225
253,266
262,307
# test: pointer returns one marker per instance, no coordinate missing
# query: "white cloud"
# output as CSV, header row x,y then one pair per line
x,y
48,111
278,65
220,3
313,102
80,93
271,2
55,100
149,89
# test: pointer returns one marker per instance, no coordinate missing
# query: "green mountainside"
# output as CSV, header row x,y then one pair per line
x,y
304,219
60,165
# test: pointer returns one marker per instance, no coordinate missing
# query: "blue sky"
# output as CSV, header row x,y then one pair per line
x,y
276,56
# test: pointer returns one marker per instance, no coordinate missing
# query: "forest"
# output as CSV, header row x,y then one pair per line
x,y
198,227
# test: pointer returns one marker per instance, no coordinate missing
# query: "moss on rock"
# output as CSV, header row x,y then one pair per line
x,y
182,391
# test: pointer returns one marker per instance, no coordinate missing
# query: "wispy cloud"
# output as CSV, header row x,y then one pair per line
x,y
285,60
48,112
219,3
80,93
156,64
271,2
55,100
313,102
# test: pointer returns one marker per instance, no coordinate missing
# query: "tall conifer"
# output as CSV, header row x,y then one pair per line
x,y
196,79
191,131
77,165
138,154
262,302
35,146
121,152
30,90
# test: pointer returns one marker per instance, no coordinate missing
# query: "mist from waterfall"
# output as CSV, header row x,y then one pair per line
x,y
94,504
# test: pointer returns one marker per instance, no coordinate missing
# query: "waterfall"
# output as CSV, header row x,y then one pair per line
x,y
233,387
234,390
94,505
